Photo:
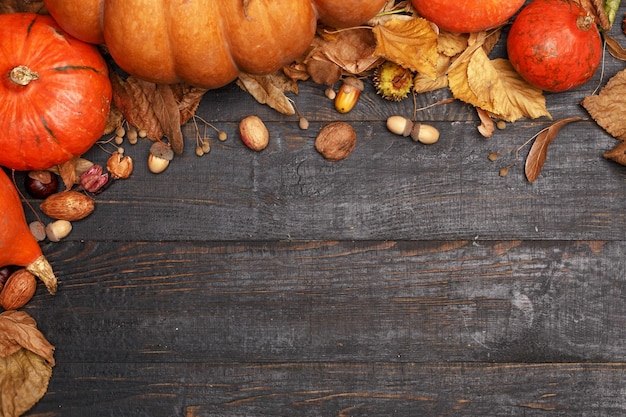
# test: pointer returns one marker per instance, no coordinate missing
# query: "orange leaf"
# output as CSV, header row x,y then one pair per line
x,y
539,151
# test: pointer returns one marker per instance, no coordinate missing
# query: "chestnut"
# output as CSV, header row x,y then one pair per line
x,y
41,184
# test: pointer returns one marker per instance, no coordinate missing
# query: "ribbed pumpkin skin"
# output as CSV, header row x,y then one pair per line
x,y
17,244
61,114
204,42
467,16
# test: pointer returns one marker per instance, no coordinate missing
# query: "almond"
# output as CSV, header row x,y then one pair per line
x,y
253,133
68,205
18,290
336,141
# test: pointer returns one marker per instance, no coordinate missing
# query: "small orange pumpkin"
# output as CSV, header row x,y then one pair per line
x,y
205,42
55,93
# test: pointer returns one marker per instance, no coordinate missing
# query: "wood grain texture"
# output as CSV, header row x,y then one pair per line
x,y
405,280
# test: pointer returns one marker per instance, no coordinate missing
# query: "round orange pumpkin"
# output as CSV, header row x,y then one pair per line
x,y
205,42
467,16
55,93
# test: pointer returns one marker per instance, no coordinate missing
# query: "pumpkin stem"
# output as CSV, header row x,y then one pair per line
x,y
42,269
585,22
22,75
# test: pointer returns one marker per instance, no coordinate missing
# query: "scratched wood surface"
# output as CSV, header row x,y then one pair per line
x,y
405,280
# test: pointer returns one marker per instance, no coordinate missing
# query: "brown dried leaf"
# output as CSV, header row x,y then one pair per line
x,y
160,110
166,110
26,361
270,89
614,48
129,97
409,43
351,50
539,151
17,6
67,172
617,154
608,107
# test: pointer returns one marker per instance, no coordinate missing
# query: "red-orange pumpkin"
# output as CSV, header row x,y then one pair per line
x,y
467,16
55,93
205,42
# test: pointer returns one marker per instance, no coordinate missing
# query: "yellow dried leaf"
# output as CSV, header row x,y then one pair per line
x,y
410,43
494,86
608,107
26,361
617,154
451,44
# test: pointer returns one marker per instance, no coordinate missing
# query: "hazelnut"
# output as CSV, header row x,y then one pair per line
x,y
68,205
253,133
18,290
58,230
38,230
161,154
336,141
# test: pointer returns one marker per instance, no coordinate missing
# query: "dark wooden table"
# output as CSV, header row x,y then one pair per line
x,y
405,280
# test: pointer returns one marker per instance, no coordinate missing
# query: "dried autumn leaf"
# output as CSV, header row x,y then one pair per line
x,y
614,48
270,89
352,50
131,100
539,151
67,172
496,87
159,110
487,127
608,107
617,154
423,83
409,43
167,113
26,361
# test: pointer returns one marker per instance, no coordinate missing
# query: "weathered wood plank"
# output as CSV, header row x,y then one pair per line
x,y
392,301
330,389
389,188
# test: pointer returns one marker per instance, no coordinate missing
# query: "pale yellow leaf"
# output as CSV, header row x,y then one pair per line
x,y
409,43
494,86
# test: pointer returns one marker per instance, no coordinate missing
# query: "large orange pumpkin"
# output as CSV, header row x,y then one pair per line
x,y
55,93
205,42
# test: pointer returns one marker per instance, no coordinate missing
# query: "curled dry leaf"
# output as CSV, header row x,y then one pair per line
x,y
409,43
608,107
270,89
614,48
539,151
487,126
26,361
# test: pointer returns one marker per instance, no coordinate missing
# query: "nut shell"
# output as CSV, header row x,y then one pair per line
x,y
18,290
68,205
336,141
253,133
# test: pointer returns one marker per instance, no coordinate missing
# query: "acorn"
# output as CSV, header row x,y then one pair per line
x,y
392,81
